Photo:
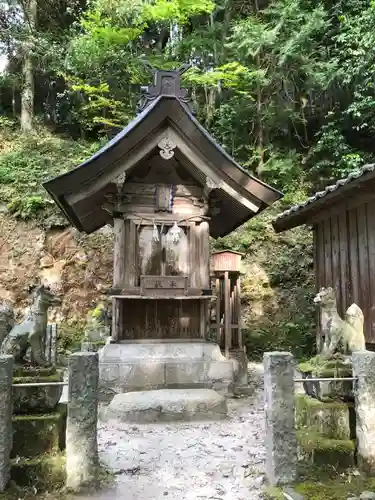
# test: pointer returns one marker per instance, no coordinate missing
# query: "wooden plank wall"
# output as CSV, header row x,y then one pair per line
x,y
159,319
345,259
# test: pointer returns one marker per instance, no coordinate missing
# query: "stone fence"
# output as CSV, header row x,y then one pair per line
x,y
281,440
82,463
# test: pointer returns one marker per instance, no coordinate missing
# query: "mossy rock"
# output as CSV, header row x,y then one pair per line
x,y
39,399
33,371
320,450
45,473
333,420
339,366
318,365
273,493
46,431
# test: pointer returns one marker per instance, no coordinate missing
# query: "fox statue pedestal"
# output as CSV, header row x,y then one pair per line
x,y
325,416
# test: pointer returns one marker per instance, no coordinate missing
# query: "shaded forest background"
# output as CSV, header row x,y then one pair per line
x,y
285,86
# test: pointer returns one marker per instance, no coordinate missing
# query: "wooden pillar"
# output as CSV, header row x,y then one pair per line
x,y
227,328
233,340
204,268
119,253
115,319
218,311
193,256
118,272
204,254
130,256
203,319
238,309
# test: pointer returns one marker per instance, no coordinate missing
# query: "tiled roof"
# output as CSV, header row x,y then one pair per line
x,y
329,189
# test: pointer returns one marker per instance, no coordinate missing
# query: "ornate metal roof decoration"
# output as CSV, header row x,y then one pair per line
x,y
166,83
166,148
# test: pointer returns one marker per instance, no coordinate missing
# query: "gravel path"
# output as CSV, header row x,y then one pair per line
x,y
188,461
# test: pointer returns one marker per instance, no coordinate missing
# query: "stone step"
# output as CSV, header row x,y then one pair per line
x,y
128,352
166,405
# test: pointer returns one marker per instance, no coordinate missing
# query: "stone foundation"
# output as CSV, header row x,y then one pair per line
x,y
130,367
325,432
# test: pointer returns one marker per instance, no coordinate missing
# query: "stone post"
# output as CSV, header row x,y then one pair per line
x,y
280,440
364,394
6,411
81,429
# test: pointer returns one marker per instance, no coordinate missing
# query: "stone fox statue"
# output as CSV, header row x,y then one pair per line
x,y
344,336
31,332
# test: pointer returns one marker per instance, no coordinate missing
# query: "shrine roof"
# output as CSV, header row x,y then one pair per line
x,y
302,213
164,106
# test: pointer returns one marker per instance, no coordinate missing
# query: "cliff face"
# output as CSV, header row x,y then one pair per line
x,y
77,267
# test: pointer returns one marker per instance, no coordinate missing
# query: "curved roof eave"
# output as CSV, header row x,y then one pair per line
x,y
51,184
110,144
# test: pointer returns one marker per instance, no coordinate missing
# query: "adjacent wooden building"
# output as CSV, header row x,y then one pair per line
x,y
342,218
166,187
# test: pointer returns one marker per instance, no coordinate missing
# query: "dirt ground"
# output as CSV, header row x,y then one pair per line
x,y
188,461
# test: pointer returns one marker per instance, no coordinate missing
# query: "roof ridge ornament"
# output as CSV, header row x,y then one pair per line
x,y
166,82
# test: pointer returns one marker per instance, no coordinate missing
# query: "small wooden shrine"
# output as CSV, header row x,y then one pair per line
x,y
166,187
226,270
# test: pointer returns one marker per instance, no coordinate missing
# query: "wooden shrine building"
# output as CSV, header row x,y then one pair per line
x,y
342,218
166,187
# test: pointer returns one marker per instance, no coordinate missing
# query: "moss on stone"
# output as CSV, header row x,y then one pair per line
x,y
326,372
37,399
319,450
56,377
308,402
273,493
338,488
33,371
311,440
45,430
331,419
320,367
45,473
306,367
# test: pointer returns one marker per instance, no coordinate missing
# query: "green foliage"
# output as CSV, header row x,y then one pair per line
x,y
27,161
175,10
70,336
27,207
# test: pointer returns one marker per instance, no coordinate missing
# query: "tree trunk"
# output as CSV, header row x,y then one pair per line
x,y
28,90
260,141
260,124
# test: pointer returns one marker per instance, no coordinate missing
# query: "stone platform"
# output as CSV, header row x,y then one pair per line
x,y
166,405
127,367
